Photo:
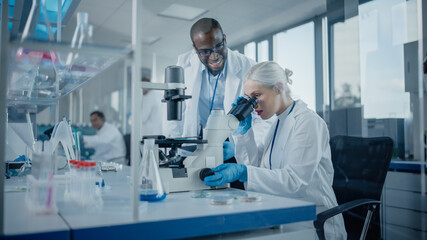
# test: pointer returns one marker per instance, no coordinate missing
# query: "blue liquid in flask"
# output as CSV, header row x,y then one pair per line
x,y
151,195
151,188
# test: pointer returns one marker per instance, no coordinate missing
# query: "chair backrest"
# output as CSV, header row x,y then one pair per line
x,y
360,165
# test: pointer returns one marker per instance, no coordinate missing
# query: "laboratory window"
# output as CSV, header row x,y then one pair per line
x,y
294,49
346,64
250,50
372,82
385,28
262,51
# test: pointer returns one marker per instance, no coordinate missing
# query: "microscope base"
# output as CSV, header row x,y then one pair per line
x,y
182,179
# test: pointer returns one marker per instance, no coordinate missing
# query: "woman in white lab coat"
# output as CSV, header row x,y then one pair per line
x,y
295,159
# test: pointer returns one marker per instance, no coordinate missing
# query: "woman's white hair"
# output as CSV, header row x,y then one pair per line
x,y
270,74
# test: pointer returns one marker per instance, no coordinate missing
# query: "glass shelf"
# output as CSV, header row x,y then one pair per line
x,y
40,73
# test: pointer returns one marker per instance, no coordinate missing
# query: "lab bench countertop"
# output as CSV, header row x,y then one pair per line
x,y
19,223
180,215
406,165
177,216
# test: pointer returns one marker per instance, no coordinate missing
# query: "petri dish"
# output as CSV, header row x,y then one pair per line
x,y
200,194
221,200
237,194
250,198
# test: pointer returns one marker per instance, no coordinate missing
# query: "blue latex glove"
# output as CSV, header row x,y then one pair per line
x,y
20,158
237,100
227,172
228,150
246,123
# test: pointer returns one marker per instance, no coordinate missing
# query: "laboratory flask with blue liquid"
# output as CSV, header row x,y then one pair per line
x,y
151,187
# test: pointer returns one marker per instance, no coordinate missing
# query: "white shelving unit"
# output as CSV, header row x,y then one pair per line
x,y
403,204
35,73
33,82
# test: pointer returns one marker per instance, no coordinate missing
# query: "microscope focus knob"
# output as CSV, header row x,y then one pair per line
x,y
205,172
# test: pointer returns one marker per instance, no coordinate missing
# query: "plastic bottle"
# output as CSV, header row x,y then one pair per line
x,y
78,183
151,187
68,194
91,176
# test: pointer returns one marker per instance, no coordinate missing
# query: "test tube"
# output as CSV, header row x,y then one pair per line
x,y
77,140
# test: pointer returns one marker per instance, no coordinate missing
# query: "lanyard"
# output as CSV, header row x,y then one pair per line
x,y
213,97
275,131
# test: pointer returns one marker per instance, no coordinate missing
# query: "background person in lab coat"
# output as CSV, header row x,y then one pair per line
x,y
295,160
213,76
108,141
151,112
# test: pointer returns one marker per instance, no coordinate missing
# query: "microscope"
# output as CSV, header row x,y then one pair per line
x,y
185,173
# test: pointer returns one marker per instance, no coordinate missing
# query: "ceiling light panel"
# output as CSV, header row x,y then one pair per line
x,y
182,12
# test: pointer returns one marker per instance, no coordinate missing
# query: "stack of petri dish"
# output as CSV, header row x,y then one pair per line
x,y
221,200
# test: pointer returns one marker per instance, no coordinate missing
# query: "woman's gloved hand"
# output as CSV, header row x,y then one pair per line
x,y
226,173
228,150
246,123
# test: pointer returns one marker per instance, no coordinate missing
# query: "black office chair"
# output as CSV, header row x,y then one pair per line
x,y
360,165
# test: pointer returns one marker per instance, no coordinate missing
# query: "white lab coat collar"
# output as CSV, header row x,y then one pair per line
x,y
102,129
284,114
299,106
234,66
287,122
232,84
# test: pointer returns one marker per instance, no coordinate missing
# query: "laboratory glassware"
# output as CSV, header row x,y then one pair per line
x,y
150,183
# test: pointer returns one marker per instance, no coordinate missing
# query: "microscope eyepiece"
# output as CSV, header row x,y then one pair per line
x,y
244,107
253,101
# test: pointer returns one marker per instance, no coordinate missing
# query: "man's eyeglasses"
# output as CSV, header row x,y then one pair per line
x,y
216,49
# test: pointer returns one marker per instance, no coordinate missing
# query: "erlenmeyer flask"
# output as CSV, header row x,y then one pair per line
x,y
151,187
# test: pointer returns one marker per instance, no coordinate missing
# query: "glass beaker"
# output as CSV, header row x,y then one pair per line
x,y
40,196
150,183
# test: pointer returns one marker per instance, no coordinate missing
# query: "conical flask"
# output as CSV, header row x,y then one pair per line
x,y
151,187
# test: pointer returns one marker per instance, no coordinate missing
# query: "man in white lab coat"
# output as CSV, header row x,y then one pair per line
x,y
108,141
213,76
